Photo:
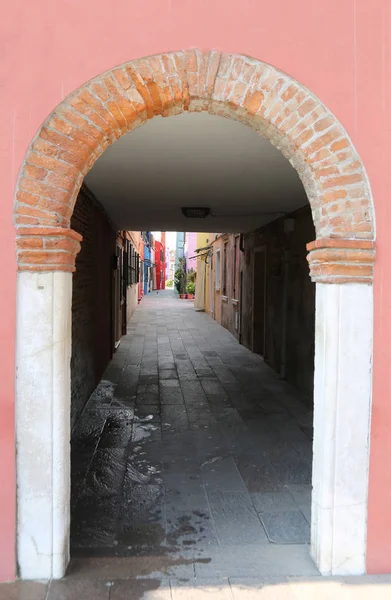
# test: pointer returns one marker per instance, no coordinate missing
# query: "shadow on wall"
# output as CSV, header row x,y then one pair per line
x,y
288,298
91,300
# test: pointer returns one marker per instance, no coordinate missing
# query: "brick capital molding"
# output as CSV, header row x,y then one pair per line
x,y
341,261
47,248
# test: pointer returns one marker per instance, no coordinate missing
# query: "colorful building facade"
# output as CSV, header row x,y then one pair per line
x,y
190,246
203,252
147,261
160,265
179,246
171,261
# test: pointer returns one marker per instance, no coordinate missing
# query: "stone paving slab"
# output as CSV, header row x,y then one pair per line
x,y
199,590
221,474
24,590
235,519
74,589
94,522
170,563
262,589
286,527
254,561
147,589
273,502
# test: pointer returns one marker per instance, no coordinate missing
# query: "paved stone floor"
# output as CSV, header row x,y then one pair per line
x,y
191,468
190,443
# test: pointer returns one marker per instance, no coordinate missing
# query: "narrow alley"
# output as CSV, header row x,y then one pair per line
x,y
192,457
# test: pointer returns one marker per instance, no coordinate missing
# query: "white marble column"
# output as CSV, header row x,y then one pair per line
x,y
43,423
342,409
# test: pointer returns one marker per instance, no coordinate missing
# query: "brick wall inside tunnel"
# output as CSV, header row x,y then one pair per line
x,y
92,341
292,353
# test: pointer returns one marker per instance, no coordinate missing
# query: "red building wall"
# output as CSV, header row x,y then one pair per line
x,y
160,265
141,282
163,283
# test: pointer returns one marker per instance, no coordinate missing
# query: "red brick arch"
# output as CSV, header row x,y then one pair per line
x,y
233,86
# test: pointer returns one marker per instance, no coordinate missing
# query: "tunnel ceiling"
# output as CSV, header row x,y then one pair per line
x,y
196,159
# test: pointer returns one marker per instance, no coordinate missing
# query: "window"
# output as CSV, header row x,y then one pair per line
x,y
131,278
137,265
218,268
122,273
131,265
225,270
235,268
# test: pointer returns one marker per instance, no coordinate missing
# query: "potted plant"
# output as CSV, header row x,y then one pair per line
x,y
190,288
180,278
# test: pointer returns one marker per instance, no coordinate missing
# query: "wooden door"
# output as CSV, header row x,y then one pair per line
x,y
211,287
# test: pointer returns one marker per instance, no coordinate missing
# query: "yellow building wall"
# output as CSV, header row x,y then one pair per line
x,y
203,240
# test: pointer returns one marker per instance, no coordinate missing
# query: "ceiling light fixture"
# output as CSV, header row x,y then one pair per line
x,y
195,212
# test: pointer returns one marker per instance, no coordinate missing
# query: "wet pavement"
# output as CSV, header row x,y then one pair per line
x,y
191,459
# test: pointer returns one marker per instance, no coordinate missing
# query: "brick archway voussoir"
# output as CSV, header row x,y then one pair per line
x,y
233,86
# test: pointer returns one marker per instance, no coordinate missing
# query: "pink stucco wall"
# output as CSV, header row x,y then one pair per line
x,y
340,50
191,244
